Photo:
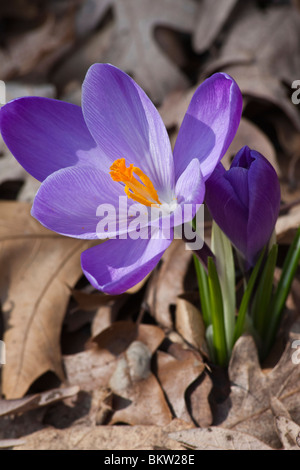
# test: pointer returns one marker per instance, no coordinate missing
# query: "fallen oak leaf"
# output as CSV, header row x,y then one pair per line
x,y
248,407
38,266
134,50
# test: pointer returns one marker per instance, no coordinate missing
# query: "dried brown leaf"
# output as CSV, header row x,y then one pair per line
x,y
289,433
198,396
102,358
89,15
255,53
89,369
134,50
40,46
249,405
107,315
175,376
143,402
105,438
189,323
21,405
211,18
92,300
120,335
137,390
38,268
9,443
215,438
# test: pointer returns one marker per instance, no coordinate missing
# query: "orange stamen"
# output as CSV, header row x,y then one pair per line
x,y
144,192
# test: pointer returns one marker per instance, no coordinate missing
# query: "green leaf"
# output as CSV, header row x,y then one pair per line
x,y
209,334
261,303
203,291
222,249
217,314
240,323
288,272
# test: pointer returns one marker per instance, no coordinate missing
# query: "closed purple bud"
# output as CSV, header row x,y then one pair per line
x,y
244,201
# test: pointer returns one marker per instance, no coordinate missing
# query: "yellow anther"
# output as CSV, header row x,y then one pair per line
x,y
143,192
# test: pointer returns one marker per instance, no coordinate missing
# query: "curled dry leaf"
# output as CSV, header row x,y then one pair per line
x,y
37,268
27,403
249,405
176,374
198,397
215,438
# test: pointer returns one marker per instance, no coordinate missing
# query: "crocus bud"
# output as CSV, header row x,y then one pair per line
x,y
244,201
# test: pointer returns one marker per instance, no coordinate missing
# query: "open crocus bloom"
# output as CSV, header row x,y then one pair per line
x,y
244,201
115,146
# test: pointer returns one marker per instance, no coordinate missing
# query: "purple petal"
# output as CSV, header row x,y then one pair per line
x,y
244,201
264,204
189,190
226,208
46,135
238,178
209,125
125,124
68,203
190,186
116,265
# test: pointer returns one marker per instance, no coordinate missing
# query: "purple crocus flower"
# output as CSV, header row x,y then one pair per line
x,y
244,201
117,141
